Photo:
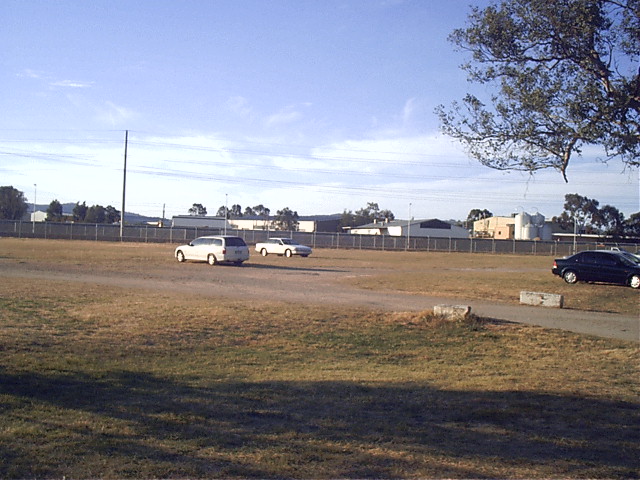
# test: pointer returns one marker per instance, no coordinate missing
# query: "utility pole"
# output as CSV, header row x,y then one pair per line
x,y
409,229
33,219
226,211
124,183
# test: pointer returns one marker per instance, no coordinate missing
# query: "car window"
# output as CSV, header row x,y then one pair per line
x,y
605,259
588,257
217,242
199,241
235,242
287,241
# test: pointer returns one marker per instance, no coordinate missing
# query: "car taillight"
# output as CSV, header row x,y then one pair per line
x,y
224,251
555,265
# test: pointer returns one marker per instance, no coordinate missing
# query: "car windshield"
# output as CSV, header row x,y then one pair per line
x,y
632,259
288,241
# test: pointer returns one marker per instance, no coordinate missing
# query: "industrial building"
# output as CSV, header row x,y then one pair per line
x,y
521,226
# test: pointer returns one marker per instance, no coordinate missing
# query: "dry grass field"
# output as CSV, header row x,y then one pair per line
x,y
102,381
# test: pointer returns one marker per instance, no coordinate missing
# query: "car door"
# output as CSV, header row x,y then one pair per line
x,y
216,247
602,267
588,268
280,247
199,249
612,268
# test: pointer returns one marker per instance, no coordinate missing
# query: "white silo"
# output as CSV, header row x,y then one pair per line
x,y
521,220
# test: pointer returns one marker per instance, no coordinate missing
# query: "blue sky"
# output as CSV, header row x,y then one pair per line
x,y
319,106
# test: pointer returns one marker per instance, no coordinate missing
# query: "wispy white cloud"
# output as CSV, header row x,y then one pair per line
x,y
51,81
71,84
113,114
287,115
29,73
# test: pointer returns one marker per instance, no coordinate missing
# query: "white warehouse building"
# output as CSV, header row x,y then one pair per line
x,y
433,228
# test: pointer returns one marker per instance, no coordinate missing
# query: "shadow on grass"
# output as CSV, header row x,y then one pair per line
x,y
261,266
163,428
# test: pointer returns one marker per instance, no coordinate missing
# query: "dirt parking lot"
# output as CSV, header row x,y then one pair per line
x,y
325,279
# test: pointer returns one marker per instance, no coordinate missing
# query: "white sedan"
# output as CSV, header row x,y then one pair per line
x,y
282,246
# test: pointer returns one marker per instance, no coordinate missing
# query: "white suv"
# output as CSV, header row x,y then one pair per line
x,y
214,250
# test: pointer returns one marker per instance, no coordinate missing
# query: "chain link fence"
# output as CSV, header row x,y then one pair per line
x,y
151,234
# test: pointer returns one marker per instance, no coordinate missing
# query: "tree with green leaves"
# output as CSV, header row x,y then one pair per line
x,y
286,220
235,211
261,211
54,211
566,75
80,211
368,214
578,214
112,215
477,214
13,204
197,209
632,225
95,214
609,221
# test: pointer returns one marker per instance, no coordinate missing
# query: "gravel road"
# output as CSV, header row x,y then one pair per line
x,y
311,285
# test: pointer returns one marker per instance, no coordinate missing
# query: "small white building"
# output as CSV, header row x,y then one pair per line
x,y
264,224
433,228
38,216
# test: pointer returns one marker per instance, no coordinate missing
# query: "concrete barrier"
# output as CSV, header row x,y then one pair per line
x,y
452,312
542,299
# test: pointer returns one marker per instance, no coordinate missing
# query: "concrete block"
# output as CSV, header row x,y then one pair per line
x,y
452,312
542,299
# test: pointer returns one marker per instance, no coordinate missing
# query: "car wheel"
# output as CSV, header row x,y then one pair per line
x,y
634,282
180,256
570,276
211,259
264,252
288,253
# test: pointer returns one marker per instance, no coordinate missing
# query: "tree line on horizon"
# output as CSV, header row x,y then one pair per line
x,y
286,219
581,214
13,206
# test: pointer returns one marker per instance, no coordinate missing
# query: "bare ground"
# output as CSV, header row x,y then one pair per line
x,y
300,282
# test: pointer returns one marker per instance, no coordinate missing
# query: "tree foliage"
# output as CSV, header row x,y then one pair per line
x,y
95,214
13,205
368,214
261,210
584,215
54,211
286,220
197,209
477,214
80,211
566,74
112,215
